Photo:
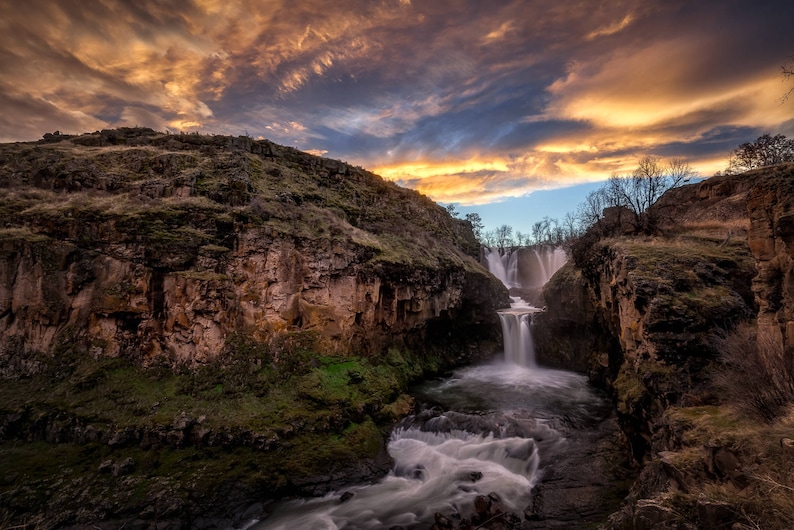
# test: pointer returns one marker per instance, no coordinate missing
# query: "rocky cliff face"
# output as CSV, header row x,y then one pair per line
x,y
192,324
161,247
647,311
651,308
770,205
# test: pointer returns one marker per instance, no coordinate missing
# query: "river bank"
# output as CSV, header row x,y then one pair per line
x,y
522,435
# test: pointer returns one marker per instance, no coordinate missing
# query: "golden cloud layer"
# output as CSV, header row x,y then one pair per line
x,y
398,86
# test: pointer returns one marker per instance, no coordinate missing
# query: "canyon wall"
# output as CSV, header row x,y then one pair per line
x,y
645,316
162,247
770,205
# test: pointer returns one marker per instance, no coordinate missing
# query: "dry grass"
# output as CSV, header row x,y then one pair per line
x,y
767,501
757,374
731,230
734,225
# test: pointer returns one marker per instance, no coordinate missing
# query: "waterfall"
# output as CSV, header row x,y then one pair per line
x,y
549,259
504,265
537,266
517,333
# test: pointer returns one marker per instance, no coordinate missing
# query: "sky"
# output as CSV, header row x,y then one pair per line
x,y
508,108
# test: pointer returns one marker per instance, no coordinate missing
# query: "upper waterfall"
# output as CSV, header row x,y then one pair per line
x,y
524,271
525,267
503,263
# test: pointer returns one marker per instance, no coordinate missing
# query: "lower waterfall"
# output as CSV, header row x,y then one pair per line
x,y
517,334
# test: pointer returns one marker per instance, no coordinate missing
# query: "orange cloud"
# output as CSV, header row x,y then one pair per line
x,y
481,181
423,170
612,28
467,106
645,88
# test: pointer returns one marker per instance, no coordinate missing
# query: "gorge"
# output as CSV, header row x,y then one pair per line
x,y
482,443
191,326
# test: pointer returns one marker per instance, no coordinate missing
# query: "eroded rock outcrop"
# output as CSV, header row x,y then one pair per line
x,y
770,206
160,247
646,313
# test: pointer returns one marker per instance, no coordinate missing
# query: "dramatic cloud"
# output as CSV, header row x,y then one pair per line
x,y
467,101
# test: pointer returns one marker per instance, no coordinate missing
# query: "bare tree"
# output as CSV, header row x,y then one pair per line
x,y
504,236
489,238
767,150
639,190
570,225
537,232
591,211
787,71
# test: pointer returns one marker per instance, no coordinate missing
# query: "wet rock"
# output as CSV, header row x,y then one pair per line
x,y
496,505
534,512
254,511
346,496
442,523
482,505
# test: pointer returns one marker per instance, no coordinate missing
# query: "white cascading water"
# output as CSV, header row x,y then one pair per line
x,y
517,321
517,334
549,259
432,473
504,265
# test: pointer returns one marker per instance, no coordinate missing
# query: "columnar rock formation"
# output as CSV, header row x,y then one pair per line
x,y
770,204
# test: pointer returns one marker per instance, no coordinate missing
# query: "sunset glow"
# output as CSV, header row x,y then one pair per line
x,y
468,103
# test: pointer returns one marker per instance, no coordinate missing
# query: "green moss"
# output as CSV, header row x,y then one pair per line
x,y
629,390
250,390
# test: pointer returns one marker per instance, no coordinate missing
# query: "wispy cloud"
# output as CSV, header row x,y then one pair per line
x,y
610,29
467,101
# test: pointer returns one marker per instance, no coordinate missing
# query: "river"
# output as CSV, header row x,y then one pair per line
x,y
501,427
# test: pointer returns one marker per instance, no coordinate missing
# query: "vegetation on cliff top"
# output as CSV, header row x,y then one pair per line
x,y
150,184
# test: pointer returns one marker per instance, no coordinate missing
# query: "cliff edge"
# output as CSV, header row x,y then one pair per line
x,y
690,330
191,322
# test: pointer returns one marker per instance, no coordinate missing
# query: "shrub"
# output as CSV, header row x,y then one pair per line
x,y
757,373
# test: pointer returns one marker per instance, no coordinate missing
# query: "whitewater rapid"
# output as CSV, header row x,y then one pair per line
x,y
485,429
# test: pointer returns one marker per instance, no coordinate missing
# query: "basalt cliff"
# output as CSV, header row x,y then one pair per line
x,y
690,330
160,247
189,322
